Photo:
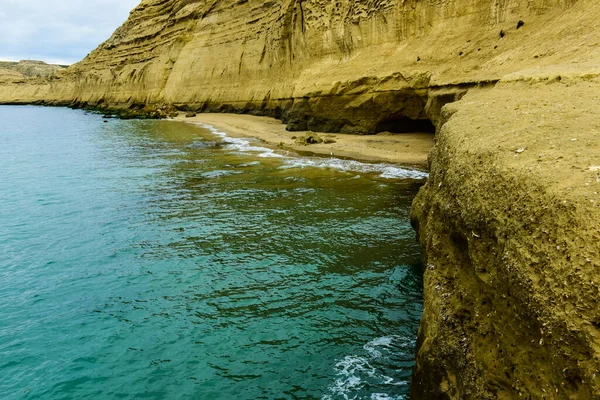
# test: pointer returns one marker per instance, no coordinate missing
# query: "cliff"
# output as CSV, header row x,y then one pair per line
x,y
509,226
508,220
350,66
11,72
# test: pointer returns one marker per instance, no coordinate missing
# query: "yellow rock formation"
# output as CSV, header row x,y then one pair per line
x,y
351,66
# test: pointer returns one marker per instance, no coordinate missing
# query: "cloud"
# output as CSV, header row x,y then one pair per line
x,y
58,31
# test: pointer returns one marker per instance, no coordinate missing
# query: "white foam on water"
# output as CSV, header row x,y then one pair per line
x,y
384,170
349,371
371,347
382,396
241,144
249,164
219,173
355,372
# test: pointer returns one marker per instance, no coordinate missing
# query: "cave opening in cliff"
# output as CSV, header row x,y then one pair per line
x,y
404,124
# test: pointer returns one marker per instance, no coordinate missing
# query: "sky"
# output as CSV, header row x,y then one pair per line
x,y
58,31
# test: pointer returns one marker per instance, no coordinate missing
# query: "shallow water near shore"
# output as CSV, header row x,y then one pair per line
x,y
162,260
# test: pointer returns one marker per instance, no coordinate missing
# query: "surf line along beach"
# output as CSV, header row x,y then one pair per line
x,y
404,148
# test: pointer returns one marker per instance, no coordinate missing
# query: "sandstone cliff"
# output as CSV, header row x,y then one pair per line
x,y
509,224
351,66
508,221
26,81
11,72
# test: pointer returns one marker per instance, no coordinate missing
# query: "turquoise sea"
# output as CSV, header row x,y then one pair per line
x,y
165,260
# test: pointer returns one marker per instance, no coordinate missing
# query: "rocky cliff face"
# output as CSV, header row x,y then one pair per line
x,y
509,226
349,66
508,221
26,81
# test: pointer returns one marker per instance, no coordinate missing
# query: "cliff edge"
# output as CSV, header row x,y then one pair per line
x,y
509,228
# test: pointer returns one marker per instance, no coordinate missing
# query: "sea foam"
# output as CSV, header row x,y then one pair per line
x,y
384,170
355,372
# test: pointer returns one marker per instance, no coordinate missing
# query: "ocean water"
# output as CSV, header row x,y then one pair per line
x,y
165,260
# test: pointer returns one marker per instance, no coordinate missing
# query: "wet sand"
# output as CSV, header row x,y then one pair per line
x,y
403,148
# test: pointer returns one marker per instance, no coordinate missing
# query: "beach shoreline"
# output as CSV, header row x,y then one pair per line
x,y
410,149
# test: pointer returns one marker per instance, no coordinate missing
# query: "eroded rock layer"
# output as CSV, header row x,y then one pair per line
x,y
337,66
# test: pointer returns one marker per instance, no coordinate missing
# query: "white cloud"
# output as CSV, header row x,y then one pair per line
x,y
60,30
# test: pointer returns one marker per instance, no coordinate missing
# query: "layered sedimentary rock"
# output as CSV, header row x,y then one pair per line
x,y
27,81
508,221
349,66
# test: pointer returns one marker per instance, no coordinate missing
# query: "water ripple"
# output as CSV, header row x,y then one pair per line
x,y
147,259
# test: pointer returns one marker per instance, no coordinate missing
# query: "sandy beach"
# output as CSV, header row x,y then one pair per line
x,y
406,148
